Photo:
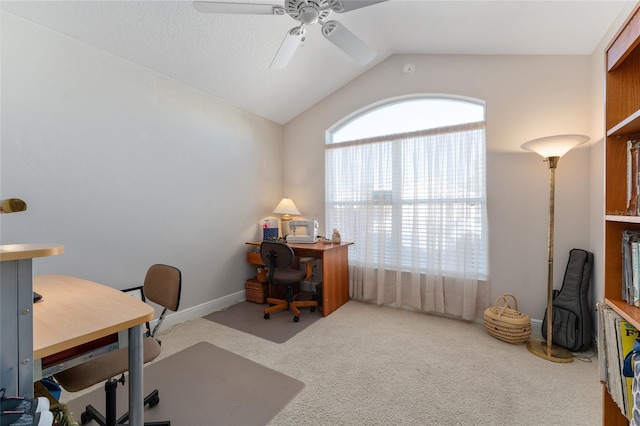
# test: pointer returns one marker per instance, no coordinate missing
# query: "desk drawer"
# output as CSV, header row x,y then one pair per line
x,y
61,361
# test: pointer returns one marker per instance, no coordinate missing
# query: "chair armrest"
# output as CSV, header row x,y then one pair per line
x,y
308,262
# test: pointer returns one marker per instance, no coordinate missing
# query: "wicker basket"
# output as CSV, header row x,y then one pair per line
x,y
256,291
505,323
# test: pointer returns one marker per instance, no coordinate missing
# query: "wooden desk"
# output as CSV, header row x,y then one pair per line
x,y
74,311
335,270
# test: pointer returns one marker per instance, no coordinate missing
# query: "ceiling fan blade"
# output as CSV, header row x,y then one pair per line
x,y
238,8
348,42
289,45
341,6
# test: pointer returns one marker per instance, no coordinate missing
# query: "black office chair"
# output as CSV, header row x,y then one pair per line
x,y
162,285
279,257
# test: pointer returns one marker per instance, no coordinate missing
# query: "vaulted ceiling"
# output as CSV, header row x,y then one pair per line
x,y
229,55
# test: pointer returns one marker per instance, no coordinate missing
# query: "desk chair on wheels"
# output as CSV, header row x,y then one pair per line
x,y
162,285
279,257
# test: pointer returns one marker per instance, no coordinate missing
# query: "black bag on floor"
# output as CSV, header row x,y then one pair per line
x,y
571,324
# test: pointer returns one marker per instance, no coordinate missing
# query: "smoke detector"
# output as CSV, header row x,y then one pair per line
x,y
408,70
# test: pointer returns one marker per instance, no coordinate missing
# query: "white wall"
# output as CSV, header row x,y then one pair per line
x,y
527,97
127,168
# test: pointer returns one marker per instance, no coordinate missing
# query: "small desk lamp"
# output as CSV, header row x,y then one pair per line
x,y
551,148
286,208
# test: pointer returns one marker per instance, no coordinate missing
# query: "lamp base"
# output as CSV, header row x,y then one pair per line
x,y
286,229
557,353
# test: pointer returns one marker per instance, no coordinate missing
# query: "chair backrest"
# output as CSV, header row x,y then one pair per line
x,y
276,255
163,285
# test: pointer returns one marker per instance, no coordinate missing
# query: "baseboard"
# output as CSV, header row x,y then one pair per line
x,y
199,311
205,309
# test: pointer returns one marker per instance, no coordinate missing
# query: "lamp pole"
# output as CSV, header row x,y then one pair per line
x,y
553,163
548,351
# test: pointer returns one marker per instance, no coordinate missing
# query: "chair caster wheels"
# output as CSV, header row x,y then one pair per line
x,y
313,309
85,418
296,318
266,316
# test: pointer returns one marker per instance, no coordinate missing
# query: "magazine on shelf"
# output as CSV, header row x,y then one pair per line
x,y
618,337
628,335
611,354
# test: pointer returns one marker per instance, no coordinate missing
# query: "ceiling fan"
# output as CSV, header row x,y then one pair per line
x,y
307,12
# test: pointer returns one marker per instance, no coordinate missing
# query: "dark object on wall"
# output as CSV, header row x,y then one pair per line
x,y
572,326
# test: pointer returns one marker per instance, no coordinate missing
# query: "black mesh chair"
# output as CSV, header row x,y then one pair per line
x,y
279,257
162,285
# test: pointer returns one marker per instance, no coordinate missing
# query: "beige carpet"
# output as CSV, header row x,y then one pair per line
x,y
206,385
249,318
372,365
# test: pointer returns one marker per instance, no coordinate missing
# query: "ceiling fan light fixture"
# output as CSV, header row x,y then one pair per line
x,y
309,15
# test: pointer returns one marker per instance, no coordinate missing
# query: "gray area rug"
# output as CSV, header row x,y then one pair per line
x,y
248,317
206,385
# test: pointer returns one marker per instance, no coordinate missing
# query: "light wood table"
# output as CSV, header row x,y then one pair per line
x,y
74,311
28,251
335,270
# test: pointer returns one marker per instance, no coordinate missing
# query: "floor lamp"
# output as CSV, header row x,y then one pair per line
x,y
551,148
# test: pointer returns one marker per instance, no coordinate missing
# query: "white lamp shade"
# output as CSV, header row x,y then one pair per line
x,y
286,206
554,146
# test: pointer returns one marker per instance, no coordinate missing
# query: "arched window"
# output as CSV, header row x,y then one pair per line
x,y
405,181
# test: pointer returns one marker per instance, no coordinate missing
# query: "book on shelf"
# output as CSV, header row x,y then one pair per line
x,y
617,384
631,267
633,177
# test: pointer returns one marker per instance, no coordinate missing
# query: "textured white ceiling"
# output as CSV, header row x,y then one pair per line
x,y
228,56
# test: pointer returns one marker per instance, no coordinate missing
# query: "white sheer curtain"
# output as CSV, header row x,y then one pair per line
x,y
415,206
